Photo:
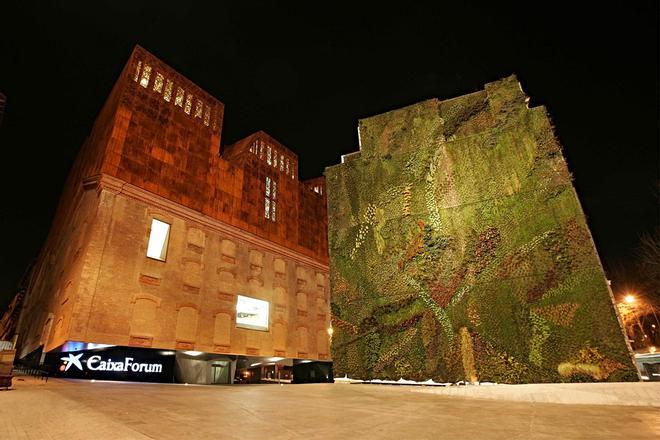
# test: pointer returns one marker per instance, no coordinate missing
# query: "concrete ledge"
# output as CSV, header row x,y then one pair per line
x,y
628,394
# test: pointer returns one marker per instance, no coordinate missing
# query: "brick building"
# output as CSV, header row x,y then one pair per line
x,y
164,241
9,318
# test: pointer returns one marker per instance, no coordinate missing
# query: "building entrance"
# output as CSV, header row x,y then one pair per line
x,y
221,372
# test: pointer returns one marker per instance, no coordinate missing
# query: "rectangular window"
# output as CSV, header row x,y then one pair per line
x,y
179,97
159,236
188,106
251,313
269,201
287,166
137,71
198,108
273,206
158,83
207,115
167,96
282,162
146,73
268,155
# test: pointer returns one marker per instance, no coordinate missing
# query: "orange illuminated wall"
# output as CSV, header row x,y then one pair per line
x,y
162,133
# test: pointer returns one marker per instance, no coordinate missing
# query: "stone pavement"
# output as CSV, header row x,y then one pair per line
x,y
644,394
105,410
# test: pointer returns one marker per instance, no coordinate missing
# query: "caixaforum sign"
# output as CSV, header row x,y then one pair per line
x,y
96,363
115,363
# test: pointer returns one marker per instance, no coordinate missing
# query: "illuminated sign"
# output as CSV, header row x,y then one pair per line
x,y
114,363
251,313
71,359
95,363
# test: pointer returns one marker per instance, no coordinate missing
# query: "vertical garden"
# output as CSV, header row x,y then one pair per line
x,y
459,250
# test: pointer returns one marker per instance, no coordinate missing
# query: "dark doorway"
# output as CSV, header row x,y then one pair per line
x,y
221,372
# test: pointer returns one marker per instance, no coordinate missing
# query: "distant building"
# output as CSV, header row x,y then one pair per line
x,y
9,320
170,254
459,250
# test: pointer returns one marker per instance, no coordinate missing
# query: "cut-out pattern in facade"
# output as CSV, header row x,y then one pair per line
x,y
186,324
222,329
228,251
143,322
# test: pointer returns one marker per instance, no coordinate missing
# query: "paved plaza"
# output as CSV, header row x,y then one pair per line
x,y
73,410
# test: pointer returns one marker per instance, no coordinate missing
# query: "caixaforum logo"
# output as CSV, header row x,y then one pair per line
x,y
97,363
71,359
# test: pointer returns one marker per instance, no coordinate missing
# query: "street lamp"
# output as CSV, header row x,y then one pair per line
x,y
629,299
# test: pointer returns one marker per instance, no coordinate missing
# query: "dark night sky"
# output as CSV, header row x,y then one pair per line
x,y
306,73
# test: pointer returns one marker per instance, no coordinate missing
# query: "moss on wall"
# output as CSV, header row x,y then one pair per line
x,y
459,250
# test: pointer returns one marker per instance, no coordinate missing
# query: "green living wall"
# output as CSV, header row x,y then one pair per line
x,y
459,250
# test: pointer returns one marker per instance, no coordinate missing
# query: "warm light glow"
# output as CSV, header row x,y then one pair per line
x,y
91,346
158,238
255,364
167,95
137,71
158,83
193,353
652,349
207,115
178,100
629,299
146,73
188,106
275,359
330,331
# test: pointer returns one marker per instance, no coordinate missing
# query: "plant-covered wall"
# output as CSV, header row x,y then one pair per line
x,y
459,250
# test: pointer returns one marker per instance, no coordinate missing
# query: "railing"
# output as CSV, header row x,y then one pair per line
x,y
26,370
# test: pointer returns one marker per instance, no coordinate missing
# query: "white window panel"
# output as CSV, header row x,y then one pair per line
x,y
158,239
252,313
